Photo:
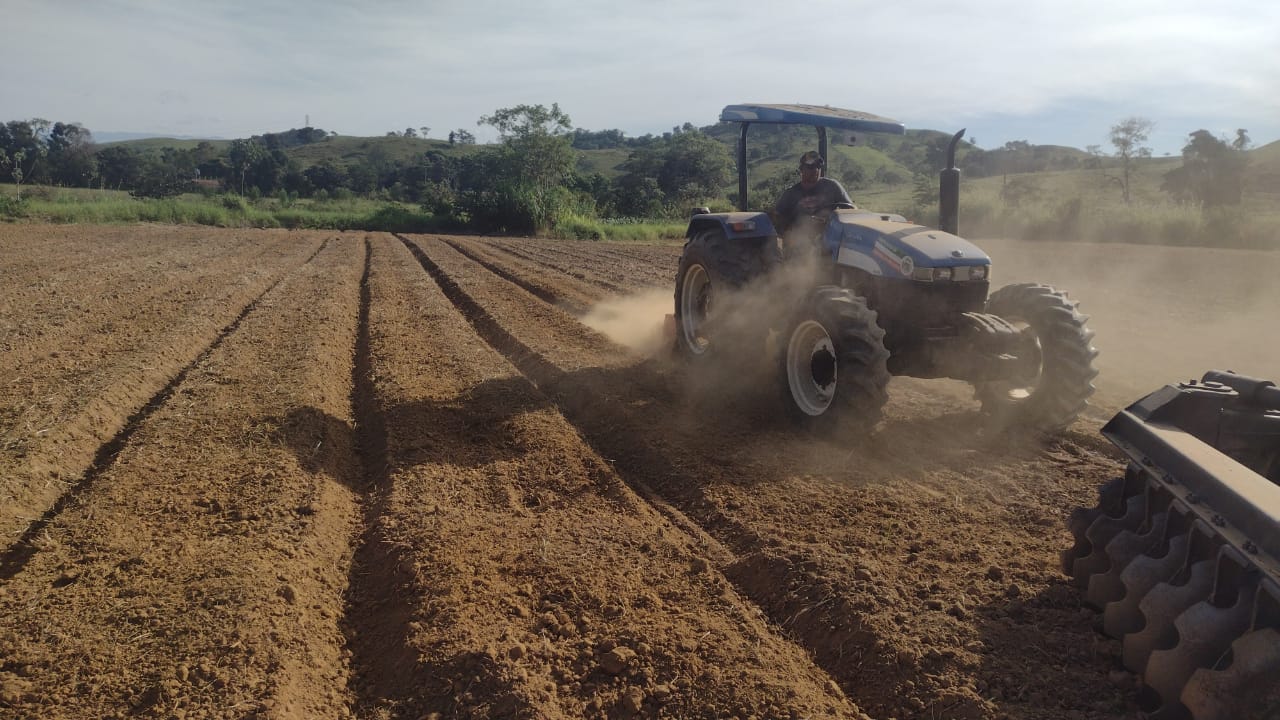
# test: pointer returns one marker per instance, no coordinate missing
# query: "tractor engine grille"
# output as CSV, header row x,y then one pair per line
x,y
911,303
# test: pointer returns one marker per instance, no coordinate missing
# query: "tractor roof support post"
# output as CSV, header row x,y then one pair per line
x,y
822,146
742,167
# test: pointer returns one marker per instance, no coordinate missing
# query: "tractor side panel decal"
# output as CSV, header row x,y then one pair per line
x,y
890,258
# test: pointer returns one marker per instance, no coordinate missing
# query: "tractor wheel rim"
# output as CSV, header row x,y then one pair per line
x,y
695,303
1021,390
811,368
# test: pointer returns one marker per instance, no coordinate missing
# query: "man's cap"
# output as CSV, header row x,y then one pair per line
x,y
811,159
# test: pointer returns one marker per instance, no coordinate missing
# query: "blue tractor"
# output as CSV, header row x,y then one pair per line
x,y
882,297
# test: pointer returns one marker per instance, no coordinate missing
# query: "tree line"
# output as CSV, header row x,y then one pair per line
x,y
532,176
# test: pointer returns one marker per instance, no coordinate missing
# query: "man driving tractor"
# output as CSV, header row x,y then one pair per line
x,y
801,210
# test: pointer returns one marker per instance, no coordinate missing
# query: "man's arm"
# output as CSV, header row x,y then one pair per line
x,y
836,192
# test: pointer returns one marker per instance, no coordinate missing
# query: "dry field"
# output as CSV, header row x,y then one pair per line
x,y
256,474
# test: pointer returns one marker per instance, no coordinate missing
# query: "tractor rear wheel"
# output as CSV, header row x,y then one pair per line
x,y
710,267
1059,381
834,362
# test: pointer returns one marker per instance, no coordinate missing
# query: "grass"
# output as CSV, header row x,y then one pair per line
x,y
577,227
81,206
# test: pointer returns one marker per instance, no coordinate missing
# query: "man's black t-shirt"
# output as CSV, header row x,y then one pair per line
x,y
798,203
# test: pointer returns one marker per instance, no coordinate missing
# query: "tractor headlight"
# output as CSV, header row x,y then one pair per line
x,y
928,274
979,272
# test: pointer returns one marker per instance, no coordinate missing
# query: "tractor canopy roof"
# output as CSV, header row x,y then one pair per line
x,y
819,115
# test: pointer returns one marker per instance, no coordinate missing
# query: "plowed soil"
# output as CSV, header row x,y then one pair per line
x,y
249,474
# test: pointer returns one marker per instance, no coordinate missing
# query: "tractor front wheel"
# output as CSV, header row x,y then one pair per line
x,y
834,362
1059,374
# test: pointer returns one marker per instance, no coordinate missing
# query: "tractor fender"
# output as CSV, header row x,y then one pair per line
x,y
734,225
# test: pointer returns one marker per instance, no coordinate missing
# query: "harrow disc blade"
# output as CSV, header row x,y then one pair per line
x,y
1204,634
1123,616
1081,519
1105,586
1246,689
1162,605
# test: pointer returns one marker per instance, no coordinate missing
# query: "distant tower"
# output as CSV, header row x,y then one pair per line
x,y
308,123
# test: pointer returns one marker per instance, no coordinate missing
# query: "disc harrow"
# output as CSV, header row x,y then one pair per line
x,y
1181,555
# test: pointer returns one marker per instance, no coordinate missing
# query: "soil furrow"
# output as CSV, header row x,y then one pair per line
x,y
71,251
377,616
571,299
624,254
591,580
641,266
841,558
113,308
596,258
17,555
536,257
57,417
201,573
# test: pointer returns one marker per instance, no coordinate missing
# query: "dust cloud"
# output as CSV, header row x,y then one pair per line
x,y
633,321
1161,314
636,321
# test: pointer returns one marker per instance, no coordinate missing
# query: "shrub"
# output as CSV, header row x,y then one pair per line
x,y
576,227
12,207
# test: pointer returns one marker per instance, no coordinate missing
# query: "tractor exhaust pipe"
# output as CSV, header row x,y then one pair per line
x,y
949,190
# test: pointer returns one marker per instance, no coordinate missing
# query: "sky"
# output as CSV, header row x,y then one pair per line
x,y
1044,71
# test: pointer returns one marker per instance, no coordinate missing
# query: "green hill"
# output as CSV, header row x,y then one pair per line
x,y
347,149
1263,173
153,146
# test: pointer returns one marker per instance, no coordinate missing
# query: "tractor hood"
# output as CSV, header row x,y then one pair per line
x,y
888,245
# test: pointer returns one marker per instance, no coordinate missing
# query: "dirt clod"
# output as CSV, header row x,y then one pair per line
x,y
617,661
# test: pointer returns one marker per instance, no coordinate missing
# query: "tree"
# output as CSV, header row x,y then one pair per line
x,y
597,140
244,156
1095,157
424,131
23,149
1127,137
119,166
160,179
687,167
461,137
1242,141
13,163
523,188
1212,172
525,121
71,157
410,133
326,176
